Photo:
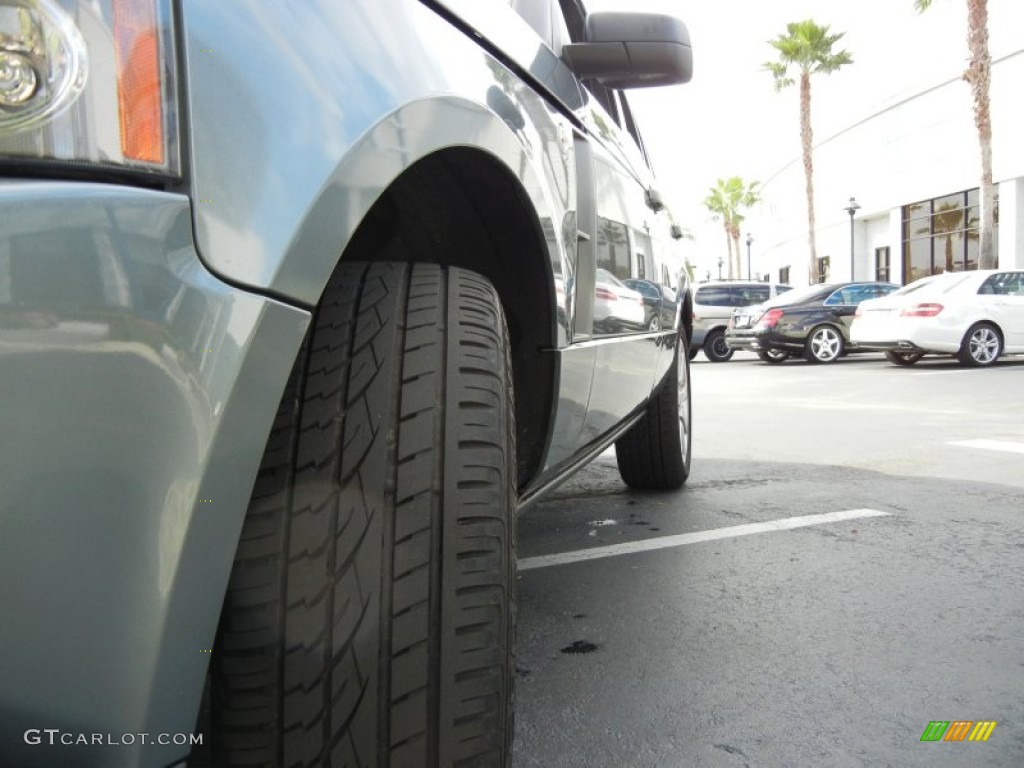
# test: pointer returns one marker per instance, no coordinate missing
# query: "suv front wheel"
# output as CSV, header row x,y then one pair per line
x,y
369,617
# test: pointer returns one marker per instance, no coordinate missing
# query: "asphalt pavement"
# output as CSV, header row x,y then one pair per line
x,y
844,567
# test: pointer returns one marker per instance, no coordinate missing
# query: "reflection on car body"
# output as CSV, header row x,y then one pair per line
x,y
617,308
659,303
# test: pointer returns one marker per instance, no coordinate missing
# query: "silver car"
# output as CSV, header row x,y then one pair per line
x,y
297,309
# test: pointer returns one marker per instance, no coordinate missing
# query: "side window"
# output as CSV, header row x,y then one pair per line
x,y
575,19
990,286
559,28
1005,284
837,298
537,14
714,296
574,14
627,117
746,295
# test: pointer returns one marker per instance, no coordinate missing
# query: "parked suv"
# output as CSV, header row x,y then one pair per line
x,y
713,304
298,307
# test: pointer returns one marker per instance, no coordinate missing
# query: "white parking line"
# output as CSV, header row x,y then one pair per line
x,y
679,540
953,370
990,445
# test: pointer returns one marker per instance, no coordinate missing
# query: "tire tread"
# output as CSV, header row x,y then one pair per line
x,y
350,622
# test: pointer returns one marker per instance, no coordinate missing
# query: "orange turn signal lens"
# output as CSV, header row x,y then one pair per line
x,y
139,82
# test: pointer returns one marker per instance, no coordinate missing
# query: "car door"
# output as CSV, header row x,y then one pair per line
x,y
628,356
1006,300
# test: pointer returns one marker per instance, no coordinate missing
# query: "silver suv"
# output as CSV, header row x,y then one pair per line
x,y
298,307
713,304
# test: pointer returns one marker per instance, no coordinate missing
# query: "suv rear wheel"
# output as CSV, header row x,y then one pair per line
x,y
369,616
655,453
715,347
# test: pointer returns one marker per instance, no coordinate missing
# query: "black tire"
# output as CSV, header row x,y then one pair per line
x,y
982,345
655,453
774,356
899,357
692,354
825,344
715,348
370,614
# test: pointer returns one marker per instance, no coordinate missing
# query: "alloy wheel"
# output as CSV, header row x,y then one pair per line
x,y
683,398
825,344
984,345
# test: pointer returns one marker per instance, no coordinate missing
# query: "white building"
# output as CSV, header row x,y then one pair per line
x,y
913,165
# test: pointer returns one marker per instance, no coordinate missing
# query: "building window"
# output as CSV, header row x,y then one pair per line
x,y
882,264
613,248
941,235
824,269
784,275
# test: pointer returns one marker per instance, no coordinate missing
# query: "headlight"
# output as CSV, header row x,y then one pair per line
x,y
88,81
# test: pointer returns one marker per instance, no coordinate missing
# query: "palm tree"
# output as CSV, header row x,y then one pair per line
x,y
718,204
725,202
746,197
979,75
808,48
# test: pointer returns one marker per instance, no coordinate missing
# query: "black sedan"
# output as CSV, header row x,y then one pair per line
x,y
813,322
659,303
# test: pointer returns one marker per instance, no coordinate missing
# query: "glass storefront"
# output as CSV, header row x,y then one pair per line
x,y
941,235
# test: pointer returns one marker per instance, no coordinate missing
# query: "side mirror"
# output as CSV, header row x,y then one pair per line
x,y
632,50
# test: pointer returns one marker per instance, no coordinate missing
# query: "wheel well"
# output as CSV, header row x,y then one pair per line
x,y
460,207
992,323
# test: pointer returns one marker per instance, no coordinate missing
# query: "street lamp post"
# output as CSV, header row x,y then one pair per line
x,y
851,209
750,239
719,267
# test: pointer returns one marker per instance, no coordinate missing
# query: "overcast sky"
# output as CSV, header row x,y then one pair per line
x,y
730,121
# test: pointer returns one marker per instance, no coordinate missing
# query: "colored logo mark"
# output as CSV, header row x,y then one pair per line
x,y
958,730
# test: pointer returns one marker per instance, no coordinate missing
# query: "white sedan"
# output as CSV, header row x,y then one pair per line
x,y
976,316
